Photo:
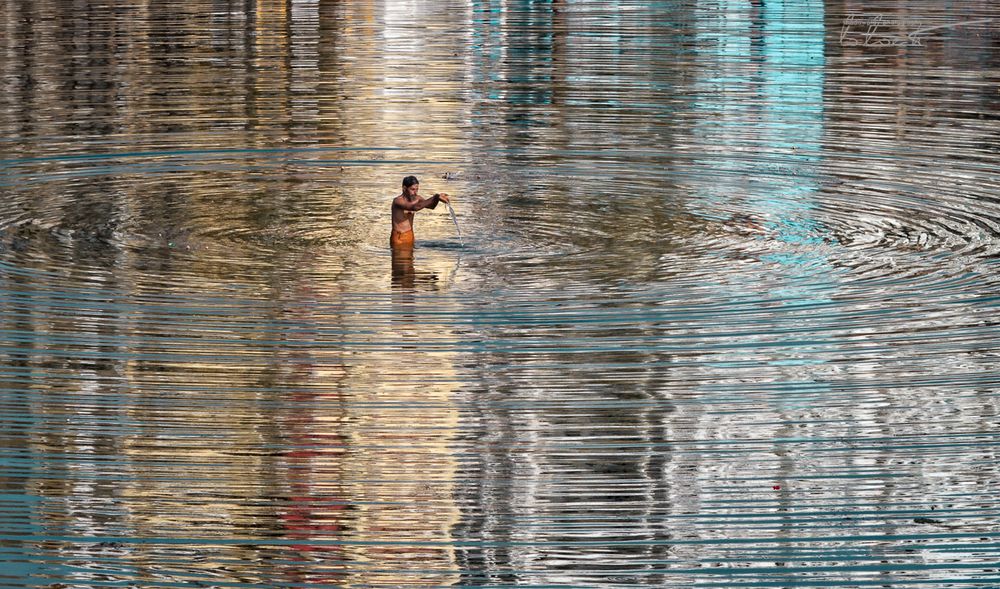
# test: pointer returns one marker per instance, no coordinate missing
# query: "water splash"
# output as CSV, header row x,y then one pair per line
x,y
454,220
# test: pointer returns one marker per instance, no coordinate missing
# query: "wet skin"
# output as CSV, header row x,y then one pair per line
x,y
408,203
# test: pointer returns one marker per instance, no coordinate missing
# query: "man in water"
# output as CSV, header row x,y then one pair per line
x,y
403,207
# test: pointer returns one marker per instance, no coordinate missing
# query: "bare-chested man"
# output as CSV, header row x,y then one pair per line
x,y
403,207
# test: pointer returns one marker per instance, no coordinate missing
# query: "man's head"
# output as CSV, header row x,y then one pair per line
x,y
410,185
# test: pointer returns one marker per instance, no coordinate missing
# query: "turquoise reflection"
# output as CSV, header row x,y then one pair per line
x,y
792,122
761,105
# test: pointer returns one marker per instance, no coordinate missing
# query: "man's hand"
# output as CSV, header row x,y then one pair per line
x,y
443,197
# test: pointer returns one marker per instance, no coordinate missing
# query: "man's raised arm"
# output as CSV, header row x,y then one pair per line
x,y
420,203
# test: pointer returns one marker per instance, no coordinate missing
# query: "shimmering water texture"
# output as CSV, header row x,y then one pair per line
x,y
722,312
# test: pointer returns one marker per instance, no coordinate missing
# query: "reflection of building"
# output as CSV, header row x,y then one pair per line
x,y
401,425
571,465
186,417
761,121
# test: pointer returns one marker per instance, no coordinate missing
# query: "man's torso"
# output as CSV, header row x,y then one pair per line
x,y
402,220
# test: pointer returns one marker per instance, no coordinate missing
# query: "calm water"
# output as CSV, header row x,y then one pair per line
x,y
723,312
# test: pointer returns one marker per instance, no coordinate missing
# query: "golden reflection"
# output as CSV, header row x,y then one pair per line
x,y
213,351
403,273
406,277
404,482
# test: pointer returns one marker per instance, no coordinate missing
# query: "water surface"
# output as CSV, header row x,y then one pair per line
x,y
723,311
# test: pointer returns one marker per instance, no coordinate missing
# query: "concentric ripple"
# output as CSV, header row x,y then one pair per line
x,y
722,313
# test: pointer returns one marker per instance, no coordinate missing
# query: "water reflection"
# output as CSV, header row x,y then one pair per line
x,y
721,312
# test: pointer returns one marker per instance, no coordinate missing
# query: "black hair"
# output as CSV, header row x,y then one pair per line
x,y
410,181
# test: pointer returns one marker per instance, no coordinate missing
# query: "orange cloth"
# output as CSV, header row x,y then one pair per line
x,y
401,239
